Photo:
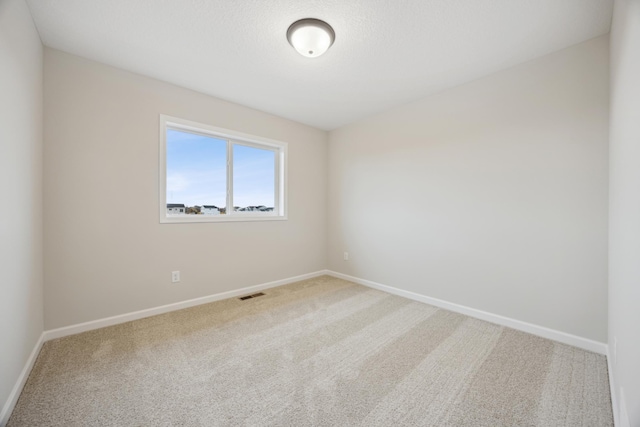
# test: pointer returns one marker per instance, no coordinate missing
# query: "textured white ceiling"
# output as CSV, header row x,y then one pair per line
x,y
386,53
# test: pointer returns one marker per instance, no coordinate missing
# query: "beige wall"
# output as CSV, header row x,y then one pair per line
x,y
107,253
491,195
624,243
21,190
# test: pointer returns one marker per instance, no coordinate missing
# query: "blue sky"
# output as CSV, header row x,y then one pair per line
x,y
196,172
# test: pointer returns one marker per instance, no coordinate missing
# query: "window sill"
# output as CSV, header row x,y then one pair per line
x,y
218,218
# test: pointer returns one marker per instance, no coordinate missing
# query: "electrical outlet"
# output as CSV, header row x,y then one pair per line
x,y
175,276
346,256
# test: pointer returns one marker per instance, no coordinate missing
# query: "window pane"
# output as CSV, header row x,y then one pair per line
x,y
253,179
196,174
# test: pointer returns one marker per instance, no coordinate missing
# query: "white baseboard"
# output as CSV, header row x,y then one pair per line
x,y
7,409
541,331
618,398
122,318
623,415
612,389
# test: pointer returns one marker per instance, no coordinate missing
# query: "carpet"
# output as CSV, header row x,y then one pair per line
x,y
321,352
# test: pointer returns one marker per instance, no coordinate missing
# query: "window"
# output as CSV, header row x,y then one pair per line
x,y
210,174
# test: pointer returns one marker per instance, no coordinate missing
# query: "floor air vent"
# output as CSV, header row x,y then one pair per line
x,y
259,294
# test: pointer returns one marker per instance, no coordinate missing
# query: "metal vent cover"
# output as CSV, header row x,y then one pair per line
x,y
246,297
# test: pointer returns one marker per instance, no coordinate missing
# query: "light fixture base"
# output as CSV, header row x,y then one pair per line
x,y
311,37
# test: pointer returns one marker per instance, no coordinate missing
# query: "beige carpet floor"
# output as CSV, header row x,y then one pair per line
x,y
322,352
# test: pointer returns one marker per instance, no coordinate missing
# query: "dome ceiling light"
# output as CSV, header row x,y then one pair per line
x,y
311,37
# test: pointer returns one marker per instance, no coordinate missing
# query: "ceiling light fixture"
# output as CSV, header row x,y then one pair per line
x,y
311,37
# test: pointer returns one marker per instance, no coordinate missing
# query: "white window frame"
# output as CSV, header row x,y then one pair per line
x,y
233,138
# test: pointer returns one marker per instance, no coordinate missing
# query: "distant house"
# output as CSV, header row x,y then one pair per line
x,y
260,208
210,210
175,208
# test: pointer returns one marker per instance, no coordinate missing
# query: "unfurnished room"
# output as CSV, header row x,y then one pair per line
x,y
320,213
